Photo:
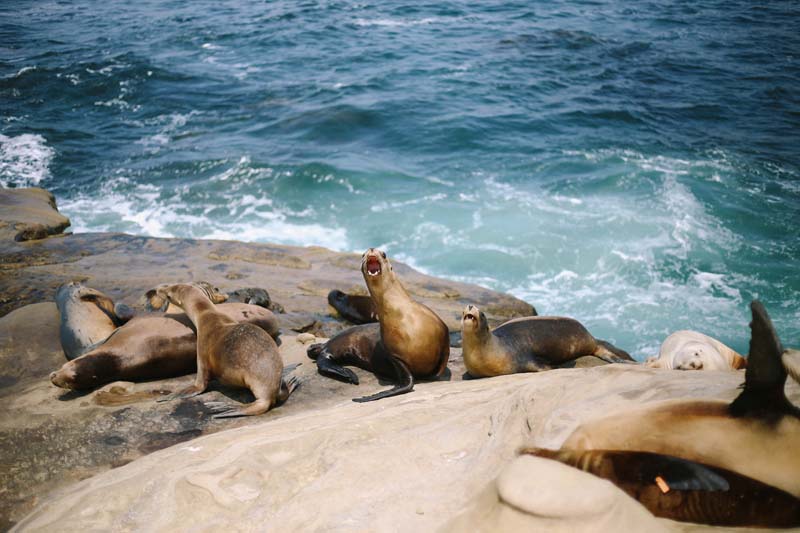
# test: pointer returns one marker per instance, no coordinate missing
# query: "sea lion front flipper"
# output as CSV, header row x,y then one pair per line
x,y
765,376
791,363
405,383
328,367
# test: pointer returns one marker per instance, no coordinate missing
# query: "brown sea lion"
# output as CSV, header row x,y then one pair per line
x,y
692,350
756,436
687,491
528,344
255,296
241,355
355,308
359,346
88,317
150,346
416,339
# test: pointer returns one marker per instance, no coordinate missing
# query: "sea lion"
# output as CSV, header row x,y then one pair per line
x,y
691,350
359,346
416,339
528,344
255,296
687,491
150,346
757,435
355,308
88,317
237,354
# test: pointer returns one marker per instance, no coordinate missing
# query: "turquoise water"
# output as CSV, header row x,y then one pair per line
x,y
634,165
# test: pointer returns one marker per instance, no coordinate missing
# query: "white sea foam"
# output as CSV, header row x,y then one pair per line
x,y
24,160
394,23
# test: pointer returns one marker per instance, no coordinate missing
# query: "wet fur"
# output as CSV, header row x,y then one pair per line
x,y
355,308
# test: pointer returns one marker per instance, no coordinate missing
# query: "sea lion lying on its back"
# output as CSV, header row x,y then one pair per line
x,y
528,344
691,350
87,317
751,444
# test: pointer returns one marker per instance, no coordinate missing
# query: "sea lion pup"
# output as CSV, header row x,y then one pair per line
x,y
528,344
354,308
240,355
359,346
691,350
757,435
416,339
674,488
88,317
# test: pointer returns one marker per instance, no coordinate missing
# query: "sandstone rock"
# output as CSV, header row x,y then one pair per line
x,y
29,214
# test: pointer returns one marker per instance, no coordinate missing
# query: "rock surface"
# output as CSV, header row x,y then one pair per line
x,y
29,214
50,437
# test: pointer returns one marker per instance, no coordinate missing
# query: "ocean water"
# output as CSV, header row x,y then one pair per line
x,y
635,165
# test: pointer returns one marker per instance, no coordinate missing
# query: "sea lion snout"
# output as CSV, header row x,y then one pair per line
x,y
62,378
372,262
470,313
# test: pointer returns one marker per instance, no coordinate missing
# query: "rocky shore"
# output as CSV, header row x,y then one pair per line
x,y
114,459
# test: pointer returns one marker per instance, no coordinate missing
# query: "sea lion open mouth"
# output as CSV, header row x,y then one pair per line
x,y
470,316
373,266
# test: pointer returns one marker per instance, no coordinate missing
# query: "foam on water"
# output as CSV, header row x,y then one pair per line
x,y
24,160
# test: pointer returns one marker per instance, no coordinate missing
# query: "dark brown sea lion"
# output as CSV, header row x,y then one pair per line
x,y
150,346
358,346
756,436
687,491
416,339
88,317
355,308
255,296
241,355
528,344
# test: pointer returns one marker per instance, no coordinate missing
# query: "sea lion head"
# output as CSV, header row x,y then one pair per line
x,y
158,298
377,270
76,293
473,321
699,356
86,372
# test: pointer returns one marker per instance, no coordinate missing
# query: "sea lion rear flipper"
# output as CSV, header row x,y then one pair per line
x,y
289,368
405,383
611,354
791,363
765,377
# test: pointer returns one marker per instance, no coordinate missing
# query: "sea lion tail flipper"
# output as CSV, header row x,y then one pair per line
x,y
328,367
765,376
405,383
791,362
611,354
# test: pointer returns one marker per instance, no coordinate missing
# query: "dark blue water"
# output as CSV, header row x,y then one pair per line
x,y
635,165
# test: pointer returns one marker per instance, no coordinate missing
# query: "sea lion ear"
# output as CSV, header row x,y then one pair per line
x,y
383,254
483,318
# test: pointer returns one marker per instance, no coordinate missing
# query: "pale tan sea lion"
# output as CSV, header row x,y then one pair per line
x,y
691,350
528,344
757,435
150,346
417,340
236,354
88,317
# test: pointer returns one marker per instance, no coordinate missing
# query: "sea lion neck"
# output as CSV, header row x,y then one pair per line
x,y
194,302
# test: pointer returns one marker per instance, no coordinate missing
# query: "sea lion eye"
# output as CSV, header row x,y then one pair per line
x,y
383,254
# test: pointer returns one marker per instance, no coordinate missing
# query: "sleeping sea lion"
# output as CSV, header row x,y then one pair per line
x,y
416,339
255,296
236,354
150,346
528,344
87,317
756,436
691,350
